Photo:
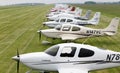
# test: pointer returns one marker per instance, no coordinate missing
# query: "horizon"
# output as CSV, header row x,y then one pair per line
x,y
13,2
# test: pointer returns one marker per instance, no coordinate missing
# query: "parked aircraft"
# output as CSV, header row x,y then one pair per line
x,y
64,20
68,11
59,7
69,58
72,32
54,17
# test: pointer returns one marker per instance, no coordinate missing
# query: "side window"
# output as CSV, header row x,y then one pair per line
x,y
75,29
85,53
66,28
58,27
68,51
62,20
69,20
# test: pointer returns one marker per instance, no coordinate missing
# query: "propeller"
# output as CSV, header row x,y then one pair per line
x,y
18,61
39,32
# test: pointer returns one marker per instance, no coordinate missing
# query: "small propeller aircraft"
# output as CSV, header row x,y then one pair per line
x,y
64,20
71,11
60,7
72,32
69,58
54,17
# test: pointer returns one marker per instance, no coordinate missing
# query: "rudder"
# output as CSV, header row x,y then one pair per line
x,y
96,18
113,26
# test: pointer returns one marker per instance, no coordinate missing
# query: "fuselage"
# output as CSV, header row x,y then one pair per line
x,y
71,55
74,31
66,20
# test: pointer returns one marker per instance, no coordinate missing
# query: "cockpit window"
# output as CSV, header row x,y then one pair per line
x,y
75,29
58,27
69,20
85,53
62,20
68,51
52,50
57,20
66,28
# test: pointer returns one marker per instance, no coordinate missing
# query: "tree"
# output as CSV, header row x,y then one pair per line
x,y
90,2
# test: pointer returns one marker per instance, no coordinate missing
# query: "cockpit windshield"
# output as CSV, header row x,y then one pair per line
x,y
52,50
58,27
57,20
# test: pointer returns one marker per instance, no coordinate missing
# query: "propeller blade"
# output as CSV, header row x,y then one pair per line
x,y
40,35
18,61
18,53
39,31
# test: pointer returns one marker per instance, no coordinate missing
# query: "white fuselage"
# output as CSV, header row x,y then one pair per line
x,y
72,32
94,59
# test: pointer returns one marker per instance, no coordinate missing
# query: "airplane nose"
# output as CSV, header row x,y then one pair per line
x,y
44,23
49,18
39,31
16,58
47,15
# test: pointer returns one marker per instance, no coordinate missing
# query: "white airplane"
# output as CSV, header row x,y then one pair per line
x,y
72,32
60,7
73,11
69,58
64,20
76,14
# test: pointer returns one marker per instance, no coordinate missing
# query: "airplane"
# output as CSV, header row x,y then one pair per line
x,y
72,32
69,58
60,7
64,20
73,11
54,17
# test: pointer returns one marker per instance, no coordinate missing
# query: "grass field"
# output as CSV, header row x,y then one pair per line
x,y
106,9
18,29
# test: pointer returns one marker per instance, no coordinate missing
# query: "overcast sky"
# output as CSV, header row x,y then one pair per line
x,y
7,2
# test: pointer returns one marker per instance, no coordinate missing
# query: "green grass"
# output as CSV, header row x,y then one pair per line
x,y
106,9
18,29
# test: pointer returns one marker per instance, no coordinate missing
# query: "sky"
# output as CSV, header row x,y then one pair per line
x,y
8,2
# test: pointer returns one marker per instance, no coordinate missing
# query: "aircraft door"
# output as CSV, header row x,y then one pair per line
x,y
66,28
68,51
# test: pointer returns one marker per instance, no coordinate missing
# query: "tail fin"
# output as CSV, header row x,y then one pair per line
x,y
112,27
95,19
78,12
87,15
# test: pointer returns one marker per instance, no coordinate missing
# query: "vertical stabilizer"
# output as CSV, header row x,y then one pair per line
x,y
87,15
78,12
95,19
113,26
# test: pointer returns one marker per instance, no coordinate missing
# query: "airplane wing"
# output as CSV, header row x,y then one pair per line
x,y
71,70
68,37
